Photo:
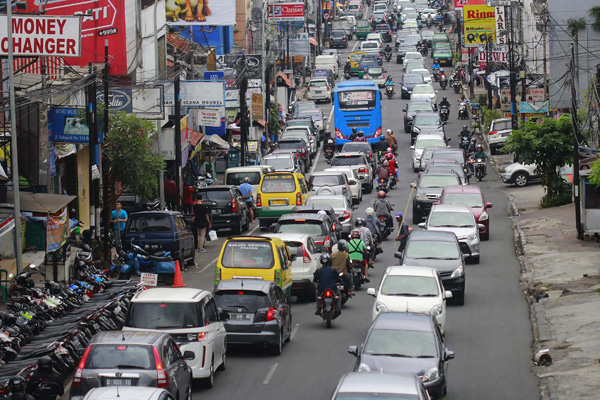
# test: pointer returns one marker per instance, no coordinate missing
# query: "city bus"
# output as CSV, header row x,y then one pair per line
x,y
357,104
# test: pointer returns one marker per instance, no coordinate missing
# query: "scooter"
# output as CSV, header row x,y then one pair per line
x,y
479,167
436,74
384,222
387,55
346,75
329,310
443,80
424,50
444,113
391,182
389,91
383,185
138,261
465,143
456,86
357,273
328,152
462,111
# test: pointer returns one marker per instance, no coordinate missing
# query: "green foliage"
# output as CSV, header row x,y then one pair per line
x,y
488,117
595,15
131,161
549,145
273,127
482,100
595,174
575,25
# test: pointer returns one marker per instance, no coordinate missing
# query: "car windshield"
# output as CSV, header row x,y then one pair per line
x,y
237,178
423,89
149,223
401,343
374,395
375,71
290,144
433,142
248,254
360,147
438,181
217,195
305,106
417,286
317,83
443,219
347,160
247,300
337,34
333,202
326,180
415,79
443,53
120,356
313,228
413,107
278,183
279,163
369,45
164,315
427,34
356,57
432,249
449,156
427,120
316,116
465,199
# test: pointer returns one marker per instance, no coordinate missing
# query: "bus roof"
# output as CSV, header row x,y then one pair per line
x,y
356,83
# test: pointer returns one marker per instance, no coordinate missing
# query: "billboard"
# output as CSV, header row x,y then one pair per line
x,y
230,64
198,12
497,53
100,20
37,35
461,3
286,12
479,24
197,94
67,125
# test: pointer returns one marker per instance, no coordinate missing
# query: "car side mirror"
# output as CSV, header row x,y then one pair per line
x,y
189,355
353,350
481,227
449,354
422,225
448,294
413,185
412,147
293,257
371,292
449,139
224,316
489,205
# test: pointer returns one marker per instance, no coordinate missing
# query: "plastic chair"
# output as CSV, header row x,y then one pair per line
x,y
4,284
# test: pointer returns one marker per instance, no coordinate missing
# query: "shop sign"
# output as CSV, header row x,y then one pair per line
x,y
118,99
66,125
479,24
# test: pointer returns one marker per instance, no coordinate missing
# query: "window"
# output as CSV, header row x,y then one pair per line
x,y
312,247
451,220
248,254
211,310
113,356
237,178
279,183
216,195
303,187
465,199
283,257
164,315
279,163
420,286
149,223
438,181
412,344
337,202
357,99
313,228
326,180
426,249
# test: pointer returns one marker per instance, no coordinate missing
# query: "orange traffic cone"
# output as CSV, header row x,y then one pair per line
x,y
178,280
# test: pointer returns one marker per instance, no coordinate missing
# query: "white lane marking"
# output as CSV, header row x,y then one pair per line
x,y
294,330
316,160
217,258
355,44
270,374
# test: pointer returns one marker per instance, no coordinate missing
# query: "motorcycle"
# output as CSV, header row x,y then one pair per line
x,y
479,167
139,260
391,182
383,185
357,273
329,311
384,222
387,54
456,86
443,80
389,91
329,151
465,143
346,75
462,111
424,50
444,113
436,74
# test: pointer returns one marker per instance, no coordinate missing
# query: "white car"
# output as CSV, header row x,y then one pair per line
x,y
306,262
519,174
341,206
411,289
371,47
377,75
319,89
422,141
353,181
301,132
458,219
500,130
425,92
411,55
361,163
374,36
423,72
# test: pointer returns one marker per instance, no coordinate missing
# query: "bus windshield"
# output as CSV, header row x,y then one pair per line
x,y
357,99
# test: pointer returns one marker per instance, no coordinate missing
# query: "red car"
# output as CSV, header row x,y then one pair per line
x,y
470,196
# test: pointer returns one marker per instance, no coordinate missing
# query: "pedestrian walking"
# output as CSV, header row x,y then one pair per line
x,y
188,197
264,144
201,223
403,232
118,217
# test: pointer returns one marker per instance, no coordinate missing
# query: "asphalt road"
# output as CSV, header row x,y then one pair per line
x,y
491,334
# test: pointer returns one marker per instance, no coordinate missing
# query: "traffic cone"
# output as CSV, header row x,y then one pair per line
x,y
178,280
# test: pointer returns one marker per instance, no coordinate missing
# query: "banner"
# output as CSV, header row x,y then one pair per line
x,y
497,53
200,12
229,63
197,94
286,12
118,99
209,117
479,24
258,109
500,18
57,230
67,125
461,3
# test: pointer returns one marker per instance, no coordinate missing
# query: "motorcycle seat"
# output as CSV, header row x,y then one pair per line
x,y
157,258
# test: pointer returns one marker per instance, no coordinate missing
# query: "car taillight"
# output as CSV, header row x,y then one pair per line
x,y
305,257
161,374
327,241
271,314
234,205
345,216
370,154
363,170
303,151
298,199
377,132
217,275
309,88
258,202
338,134
344,190
79,371
493,132
327,87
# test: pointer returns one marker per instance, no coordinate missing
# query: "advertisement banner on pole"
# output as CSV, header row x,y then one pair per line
x,y
500,24
479,24
57,230
209,117
498,54
197,94
66,125
462,3
198,12
258,109
230,64
286,12
42,35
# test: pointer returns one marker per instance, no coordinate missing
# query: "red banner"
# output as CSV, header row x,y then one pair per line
x,y
461,3
286,11
101,20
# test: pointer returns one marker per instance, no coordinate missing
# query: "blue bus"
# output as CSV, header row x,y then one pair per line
x,y
357,104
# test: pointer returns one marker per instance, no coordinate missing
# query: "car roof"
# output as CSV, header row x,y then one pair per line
x,y
452,208
217,187
277,155
365,382
327,173
131,337
170,295
428,136
440,236
167,212
303,216
463,189
124,393
289,237
448,150
249,284
406,270
403,321
349,153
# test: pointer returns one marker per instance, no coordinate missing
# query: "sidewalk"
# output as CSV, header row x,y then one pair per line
x,y
560,276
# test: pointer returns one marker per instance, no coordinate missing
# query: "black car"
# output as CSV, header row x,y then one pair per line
x,y
406,343
401,51
439,250
227,207
408,83
314,209
258,312
427,122
385,31
338,38
318,226
412,109
301,146
428,190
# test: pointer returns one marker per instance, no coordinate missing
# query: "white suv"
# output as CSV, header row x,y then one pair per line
x,y
191,317
500,130
319,89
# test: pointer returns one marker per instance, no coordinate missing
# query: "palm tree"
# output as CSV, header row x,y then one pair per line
x,y
573,27
595,14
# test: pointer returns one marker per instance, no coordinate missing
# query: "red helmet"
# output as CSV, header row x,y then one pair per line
x,y
389,156
381,194
355,234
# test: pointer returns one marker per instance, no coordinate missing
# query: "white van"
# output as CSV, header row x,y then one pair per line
x,y
236,175
327,62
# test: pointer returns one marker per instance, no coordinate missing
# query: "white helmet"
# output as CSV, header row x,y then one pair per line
x,y
370,211
389,131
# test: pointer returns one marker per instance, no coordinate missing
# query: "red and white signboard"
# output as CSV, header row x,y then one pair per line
x,y
100,20
497,53
148,279
461,3
500,15
286,12
36,35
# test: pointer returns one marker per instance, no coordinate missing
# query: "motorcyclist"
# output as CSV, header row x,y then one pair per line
x,y
361,137
45,384
388,48
383,207
328,142
354,134
445,102
480,154
357,250
436,64
340,260
392,164
16,387
326,278
391,139
374,226
347,68
465,133
366,237
389,81
382,172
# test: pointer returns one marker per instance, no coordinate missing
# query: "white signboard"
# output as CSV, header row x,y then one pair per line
x,y
500,25
37,35
498,54
197,94
147,102
232,98
209,117
148,279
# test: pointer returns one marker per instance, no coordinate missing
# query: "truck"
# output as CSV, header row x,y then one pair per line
x,y
344,25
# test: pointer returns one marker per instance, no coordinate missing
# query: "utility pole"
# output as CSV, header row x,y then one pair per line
x,y
14,164
523,85
268,87
488,85
514,112
243,85
93,144
471,88
576,196
105,174
177,95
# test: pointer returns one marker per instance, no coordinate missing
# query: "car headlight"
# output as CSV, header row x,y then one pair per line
x,y
431,375
404,88
472,236
421,197
458,272
364,368
436,310
509,169
380,307
484,216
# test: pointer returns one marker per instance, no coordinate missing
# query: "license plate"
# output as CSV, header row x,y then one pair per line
x,y
241,316
120,382
215,211
155,246
318,91
278,202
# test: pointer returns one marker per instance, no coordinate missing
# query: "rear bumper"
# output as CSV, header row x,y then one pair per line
x,y
272,214
303,285
225,221
268,334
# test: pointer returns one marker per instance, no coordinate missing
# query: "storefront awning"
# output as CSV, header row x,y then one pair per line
x,y
313,41
44,203
195,137
283,76
216,141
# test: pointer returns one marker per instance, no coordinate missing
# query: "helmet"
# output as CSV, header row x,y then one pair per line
x,y
389,131
389,156
361,133
479,146
389,150
386,163
246,179
465,127
354,130
342,245
444,98
381,194
359,222
398,215
325,259
370,211
322,212
17,384
45,363
355,234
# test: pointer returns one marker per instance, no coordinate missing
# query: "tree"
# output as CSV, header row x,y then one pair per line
x,y
130,160
548,145
595,15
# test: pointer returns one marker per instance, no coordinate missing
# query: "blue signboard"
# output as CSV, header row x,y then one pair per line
x,y
214,75
65,125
